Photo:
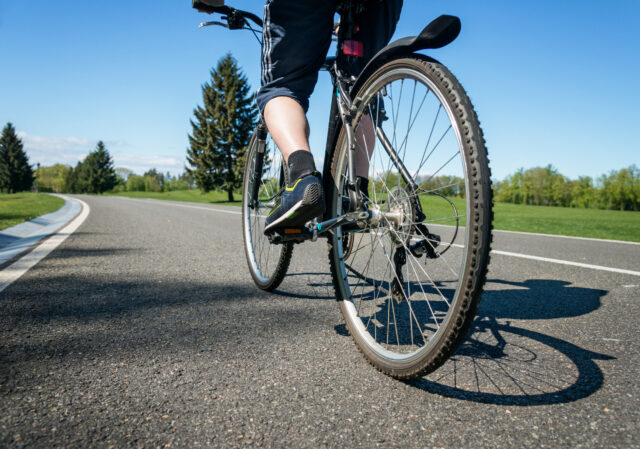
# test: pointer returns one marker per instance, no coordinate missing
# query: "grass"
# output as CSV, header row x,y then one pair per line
x,y
16,208
595,223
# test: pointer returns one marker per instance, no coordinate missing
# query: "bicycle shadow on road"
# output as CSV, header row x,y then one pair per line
x,y
319,283
503,364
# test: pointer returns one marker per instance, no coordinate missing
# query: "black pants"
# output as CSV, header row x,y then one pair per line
x,y
297,35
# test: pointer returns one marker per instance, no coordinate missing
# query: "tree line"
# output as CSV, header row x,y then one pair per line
x,y
60,178
96,174
152,181
545,186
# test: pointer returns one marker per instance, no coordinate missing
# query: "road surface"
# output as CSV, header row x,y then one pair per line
x,y
143,329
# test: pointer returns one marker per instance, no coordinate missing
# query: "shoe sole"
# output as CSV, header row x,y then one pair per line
x,y
310,206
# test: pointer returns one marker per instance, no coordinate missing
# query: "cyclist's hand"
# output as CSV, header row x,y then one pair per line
x,y
201,7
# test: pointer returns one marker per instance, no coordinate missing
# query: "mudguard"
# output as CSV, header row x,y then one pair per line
x,y
440,32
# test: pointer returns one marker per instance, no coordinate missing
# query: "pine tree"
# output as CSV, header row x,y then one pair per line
x,y
96,173
71,180
16,175
221,129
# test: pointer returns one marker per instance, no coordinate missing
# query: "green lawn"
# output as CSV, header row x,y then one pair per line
x,y
605,224
602,224
16,208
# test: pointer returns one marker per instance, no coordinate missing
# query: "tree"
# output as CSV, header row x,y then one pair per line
x,y
584,194
221,129
71,181
53,178
153,180
16,175
96,173
135,183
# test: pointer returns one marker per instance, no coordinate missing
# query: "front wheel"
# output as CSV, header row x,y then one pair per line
x,y
409,283
268,263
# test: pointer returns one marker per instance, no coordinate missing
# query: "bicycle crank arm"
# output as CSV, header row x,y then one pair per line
x,y
343,220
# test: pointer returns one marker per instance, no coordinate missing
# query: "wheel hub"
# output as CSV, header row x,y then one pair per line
x,y
399,216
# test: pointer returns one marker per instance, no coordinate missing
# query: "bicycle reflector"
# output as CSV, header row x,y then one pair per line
x,y
353,48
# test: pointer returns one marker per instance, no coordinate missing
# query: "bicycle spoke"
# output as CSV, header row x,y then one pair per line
x,y
432,150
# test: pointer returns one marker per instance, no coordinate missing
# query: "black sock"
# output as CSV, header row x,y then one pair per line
x,y
300,164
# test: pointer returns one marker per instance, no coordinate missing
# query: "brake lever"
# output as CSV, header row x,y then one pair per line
x,y
206,24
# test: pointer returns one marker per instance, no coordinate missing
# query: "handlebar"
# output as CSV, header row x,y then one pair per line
x,y
235,18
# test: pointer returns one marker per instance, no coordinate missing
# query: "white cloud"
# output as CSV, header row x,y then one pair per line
x,y
40,143
55,150
70,150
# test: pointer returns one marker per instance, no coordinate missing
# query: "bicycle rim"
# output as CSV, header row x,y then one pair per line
x,y
267,263
407,318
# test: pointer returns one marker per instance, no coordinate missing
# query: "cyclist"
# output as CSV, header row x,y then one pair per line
x,y
296,38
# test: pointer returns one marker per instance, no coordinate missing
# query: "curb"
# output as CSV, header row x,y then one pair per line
x,y
16,240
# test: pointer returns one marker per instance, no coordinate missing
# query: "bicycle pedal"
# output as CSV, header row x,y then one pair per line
x,y
294,235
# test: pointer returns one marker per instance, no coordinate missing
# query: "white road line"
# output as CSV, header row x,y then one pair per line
x,y
25,263
559,261
566,262
169,203
591,239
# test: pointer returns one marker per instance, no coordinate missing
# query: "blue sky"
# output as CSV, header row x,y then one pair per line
x,y
553,82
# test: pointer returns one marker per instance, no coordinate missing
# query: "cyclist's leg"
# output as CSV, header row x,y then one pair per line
x,y
287,124
296,38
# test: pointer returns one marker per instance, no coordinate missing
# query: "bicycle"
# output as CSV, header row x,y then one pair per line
x,y
408,295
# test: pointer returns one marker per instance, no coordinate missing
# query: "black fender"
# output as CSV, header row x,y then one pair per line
x,y
440,32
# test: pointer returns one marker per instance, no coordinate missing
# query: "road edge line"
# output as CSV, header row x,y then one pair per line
x,y
176,203
566,262
31,257
574,237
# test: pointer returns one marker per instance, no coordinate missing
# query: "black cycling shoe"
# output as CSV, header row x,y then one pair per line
x,y
297,205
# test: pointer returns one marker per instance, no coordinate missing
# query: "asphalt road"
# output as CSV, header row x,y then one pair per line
x,y
143,329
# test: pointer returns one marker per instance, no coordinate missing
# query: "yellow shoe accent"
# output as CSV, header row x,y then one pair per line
x,y
289,189
270,213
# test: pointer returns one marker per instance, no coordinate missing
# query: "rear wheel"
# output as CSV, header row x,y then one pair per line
x,y
408,286
268,263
